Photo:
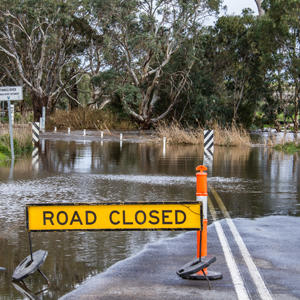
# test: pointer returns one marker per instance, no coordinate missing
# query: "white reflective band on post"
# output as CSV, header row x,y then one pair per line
x,y
203,199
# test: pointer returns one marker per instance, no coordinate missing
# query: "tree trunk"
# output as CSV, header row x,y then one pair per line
x,y
296,123
38,103
261,12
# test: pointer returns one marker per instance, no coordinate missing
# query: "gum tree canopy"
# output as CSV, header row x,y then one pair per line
x,y
284,17
41,40
142,38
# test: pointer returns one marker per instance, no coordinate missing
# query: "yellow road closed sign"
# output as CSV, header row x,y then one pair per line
x,y
114,216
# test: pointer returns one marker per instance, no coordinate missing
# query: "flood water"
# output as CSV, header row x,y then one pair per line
x,y
252,182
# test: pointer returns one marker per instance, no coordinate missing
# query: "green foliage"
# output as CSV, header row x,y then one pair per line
x,y
131,96
290,147
155,61
4,145
22,144
141,44
3,157
281,47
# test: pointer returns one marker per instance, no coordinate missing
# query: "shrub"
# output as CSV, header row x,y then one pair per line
x,y
87,118
290,147
177,134
22,141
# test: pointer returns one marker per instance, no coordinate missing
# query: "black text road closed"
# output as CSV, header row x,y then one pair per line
x,y
114,216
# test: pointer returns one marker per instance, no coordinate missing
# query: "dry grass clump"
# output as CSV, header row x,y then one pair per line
x,y
177,134
87,118
231,136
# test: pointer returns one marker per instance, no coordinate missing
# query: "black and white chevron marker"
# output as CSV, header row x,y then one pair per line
x,y
209,140
208,149
35,131
208,159
35,158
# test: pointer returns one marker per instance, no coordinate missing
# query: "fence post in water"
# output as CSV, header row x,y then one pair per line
x,y
121,136
84,132
55,129
101,135
43,125
164,146
69,130
201,194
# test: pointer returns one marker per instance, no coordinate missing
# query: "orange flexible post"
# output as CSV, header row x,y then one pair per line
x,y
201,193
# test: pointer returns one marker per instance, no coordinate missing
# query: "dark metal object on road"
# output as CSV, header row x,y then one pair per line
x,y
29,265
191,269
195,266
211,275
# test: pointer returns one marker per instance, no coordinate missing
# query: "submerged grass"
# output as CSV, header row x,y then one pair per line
x,y
290,147
177,134
22,141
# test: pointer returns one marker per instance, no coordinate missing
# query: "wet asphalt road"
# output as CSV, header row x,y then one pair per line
x,y
272,242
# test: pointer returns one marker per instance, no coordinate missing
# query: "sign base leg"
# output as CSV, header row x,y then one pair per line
x,y
211,275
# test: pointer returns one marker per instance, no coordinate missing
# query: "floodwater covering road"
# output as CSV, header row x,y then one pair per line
x,y
252,183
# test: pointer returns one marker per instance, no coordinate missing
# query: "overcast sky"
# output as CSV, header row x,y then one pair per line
x,y
236,7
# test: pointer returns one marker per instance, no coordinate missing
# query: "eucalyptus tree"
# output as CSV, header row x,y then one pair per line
x,y
41,41
284,16
142,38
237,56
261,11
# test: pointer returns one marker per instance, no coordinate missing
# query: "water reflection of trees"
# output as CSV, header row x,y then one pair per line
x,y
231,160
21,166
106,157
264,182
267,181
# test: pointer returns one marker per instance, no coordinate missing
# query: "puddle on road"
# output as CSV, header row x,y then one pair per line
x,y
252,182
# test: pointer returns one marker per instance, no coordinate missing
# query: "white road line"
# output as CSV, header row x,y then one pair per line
x,y
256,277
233,269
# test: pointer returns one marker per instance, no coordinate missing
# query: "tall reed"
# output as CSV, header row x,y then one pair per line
x,y
177,134
87,118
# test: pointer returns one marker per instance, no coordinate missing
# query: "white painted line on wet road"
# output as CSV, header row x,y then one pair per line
x,y
256,277
233,269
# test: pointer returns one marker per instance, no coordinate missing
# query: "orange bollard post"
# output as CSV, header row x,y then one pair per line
x,y
201,194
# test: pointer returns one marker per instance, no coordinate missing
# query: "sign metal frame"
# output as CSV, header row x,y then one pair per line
x,y
12,96
13,93
122,205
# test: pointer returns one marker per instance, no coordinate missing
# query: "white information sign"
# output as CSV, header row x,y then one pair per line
x,y
8,93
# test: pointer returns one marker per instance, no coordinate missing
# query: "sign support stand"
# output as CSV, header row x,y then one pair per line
x,y
201,193
11,131
8,93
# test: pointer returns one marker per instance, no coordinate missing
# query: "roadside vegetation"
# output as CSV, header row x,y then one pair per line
x,y
94,67
289,147
228,136
84,118
22,142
